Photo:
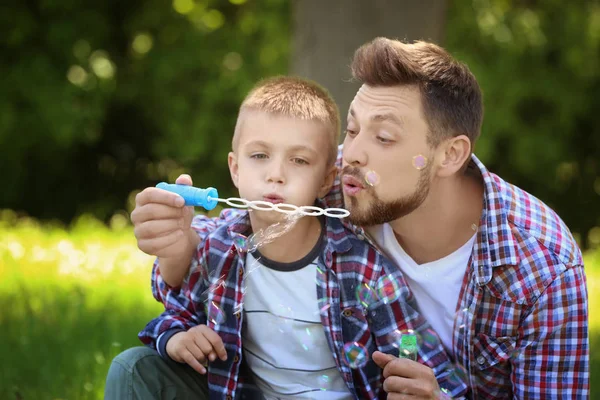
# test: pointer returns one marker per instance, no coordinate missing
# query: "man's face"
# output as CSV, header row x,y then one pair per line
x,y
280,160
386,138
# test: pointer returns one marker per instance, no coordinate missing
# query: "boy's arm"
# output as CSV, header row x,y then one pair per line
x,y
184,309
201,227
389,318
552,353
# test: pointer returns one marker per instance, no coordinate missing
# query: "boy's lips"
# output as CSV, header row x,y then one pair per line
x,y
352,186
273,198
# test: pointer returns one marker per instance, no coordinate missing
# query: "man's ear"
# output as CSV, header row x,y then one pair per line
x,y
452,155
328,181
233,167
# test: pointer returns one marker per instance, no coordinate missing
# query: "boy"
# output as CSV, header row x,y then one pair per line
x,y
272,327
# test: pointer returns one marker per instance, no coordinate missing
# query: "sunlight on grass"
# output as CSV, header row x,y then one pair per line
x,y
72,299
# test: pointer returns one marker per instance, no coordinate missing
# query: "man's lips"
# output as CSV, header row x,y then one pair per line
x,y
352,186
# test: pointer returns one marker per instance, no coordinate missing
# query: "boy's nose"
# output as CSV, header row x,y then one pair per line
x,y
275,173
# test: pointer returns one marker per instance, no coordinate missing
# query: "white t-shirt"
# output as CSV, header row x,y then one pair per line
x,y
283,339
435,285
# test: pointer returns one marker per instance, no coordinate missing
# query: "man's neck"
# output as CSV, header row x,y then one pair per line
x,y
295,243
444,222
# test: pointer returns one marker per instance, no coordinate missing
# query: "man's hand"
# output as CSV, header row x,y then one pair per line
x,y
162,224
406,379
196,346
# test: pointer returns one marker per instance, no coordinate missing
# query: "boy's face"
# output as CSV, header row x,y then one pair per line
x,y
280,160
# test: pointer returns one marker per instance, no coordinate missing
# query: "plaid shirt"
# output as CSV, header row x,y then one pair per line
x,y
523,326
345,263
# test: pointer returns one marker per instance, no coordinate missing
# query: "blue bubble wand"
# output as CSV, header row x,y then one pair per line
x,y
209,198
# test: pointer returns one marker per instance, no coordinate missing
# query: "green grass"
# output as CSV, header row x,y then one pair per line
x,y
71,300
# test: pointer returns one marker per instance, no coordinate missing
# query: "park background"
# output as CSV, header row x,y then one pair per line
x,y
102,99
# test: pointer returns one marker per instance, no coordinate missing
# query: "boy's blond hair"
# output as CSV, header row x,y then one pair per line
x,y
296,98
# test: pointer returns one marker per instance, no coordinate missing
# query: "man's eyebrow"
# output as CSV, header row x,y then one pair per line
x,y
391,117
259,143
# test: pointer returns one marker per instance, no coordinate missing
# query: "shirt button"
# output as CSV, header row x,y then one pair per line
x,y
229,397
238,315
347,313
236,359
481,360
241,271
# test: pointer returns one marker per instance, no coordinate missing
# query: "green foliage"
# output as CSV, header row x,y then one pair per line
x,y
538,63
101,98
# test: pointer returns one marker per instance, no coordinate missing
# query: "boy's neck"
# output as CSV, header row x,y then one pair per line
x,y
294,244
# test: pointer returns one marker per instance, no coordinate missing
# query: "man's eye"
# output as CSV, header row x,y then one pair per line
x,y
383,140
259,156
350,132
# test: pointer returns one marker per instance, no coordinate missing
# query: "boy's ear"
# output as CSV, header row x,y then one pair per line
x,y
233,167
328,181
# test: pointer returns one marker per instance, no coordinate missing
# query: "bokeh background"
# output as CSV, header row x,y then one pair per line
x,y
101,99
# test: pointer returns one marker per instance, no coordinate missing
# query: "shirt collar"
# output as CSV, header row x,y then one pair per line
x,y
495,244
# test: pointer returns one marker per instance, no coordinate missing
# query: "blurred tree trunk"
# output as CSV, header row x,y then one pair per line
x,y
327,32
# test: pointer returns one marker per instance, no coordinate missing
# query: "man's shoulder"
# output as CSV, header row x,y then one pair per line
x,y
537,227
543,245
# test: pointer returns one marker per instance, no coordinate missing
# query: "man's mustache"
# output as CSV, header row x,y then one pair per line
x,y
352,171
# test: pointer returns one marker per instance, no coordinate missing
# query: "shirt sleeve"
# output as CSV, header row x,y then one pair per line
x,y
203,225
551,357
395,313
184,307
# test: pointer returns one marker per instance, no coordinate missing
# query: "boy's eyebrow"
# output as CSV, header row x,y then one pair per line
x,y
298,147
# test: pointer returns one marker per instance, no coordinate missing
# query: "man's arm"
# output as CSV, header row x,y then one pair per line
x,y
389,319
552,355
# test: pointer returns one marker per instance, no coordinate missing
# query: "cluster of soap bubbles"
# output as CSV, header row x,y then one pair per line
x,y
386,290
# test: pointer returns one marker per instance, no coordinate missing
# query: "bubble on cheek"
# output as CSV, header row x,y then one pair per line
x,y
355,355
372,178
419,162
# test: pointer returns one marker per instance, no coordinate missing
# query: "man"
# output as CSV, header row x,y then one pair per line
x,y
494,270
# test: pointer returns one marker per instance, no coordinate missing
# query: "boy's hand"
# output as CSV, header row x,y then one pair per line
x,y
162,224
195,346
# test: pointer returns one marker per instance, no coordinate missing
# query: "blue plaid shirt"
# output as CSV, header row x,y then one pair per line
x,y
345,263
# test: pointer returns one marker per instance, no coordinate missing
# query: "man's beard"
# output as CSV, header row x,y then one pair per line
x,y
379,211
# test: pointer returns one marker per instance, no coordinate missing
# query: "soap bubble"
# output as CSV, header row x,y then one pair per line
x,y
388,289
365,295
241,243
214,313
285,319
324,382
372,178
355,355
419,162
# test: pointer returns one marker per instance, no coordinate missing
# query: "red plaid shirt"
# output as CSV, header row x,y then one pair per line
x,y
523,326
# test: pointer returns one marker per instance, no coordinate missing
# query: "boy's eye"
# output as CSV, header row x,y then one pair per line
x,y
259,156
300,161
350,132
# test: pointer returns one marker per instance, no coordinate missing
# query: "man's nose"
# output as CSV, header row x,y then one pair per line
x,y
353,152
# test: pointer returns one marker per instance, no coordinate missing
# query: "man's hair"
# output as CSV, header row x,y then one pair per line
x,y
296,98
451,97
